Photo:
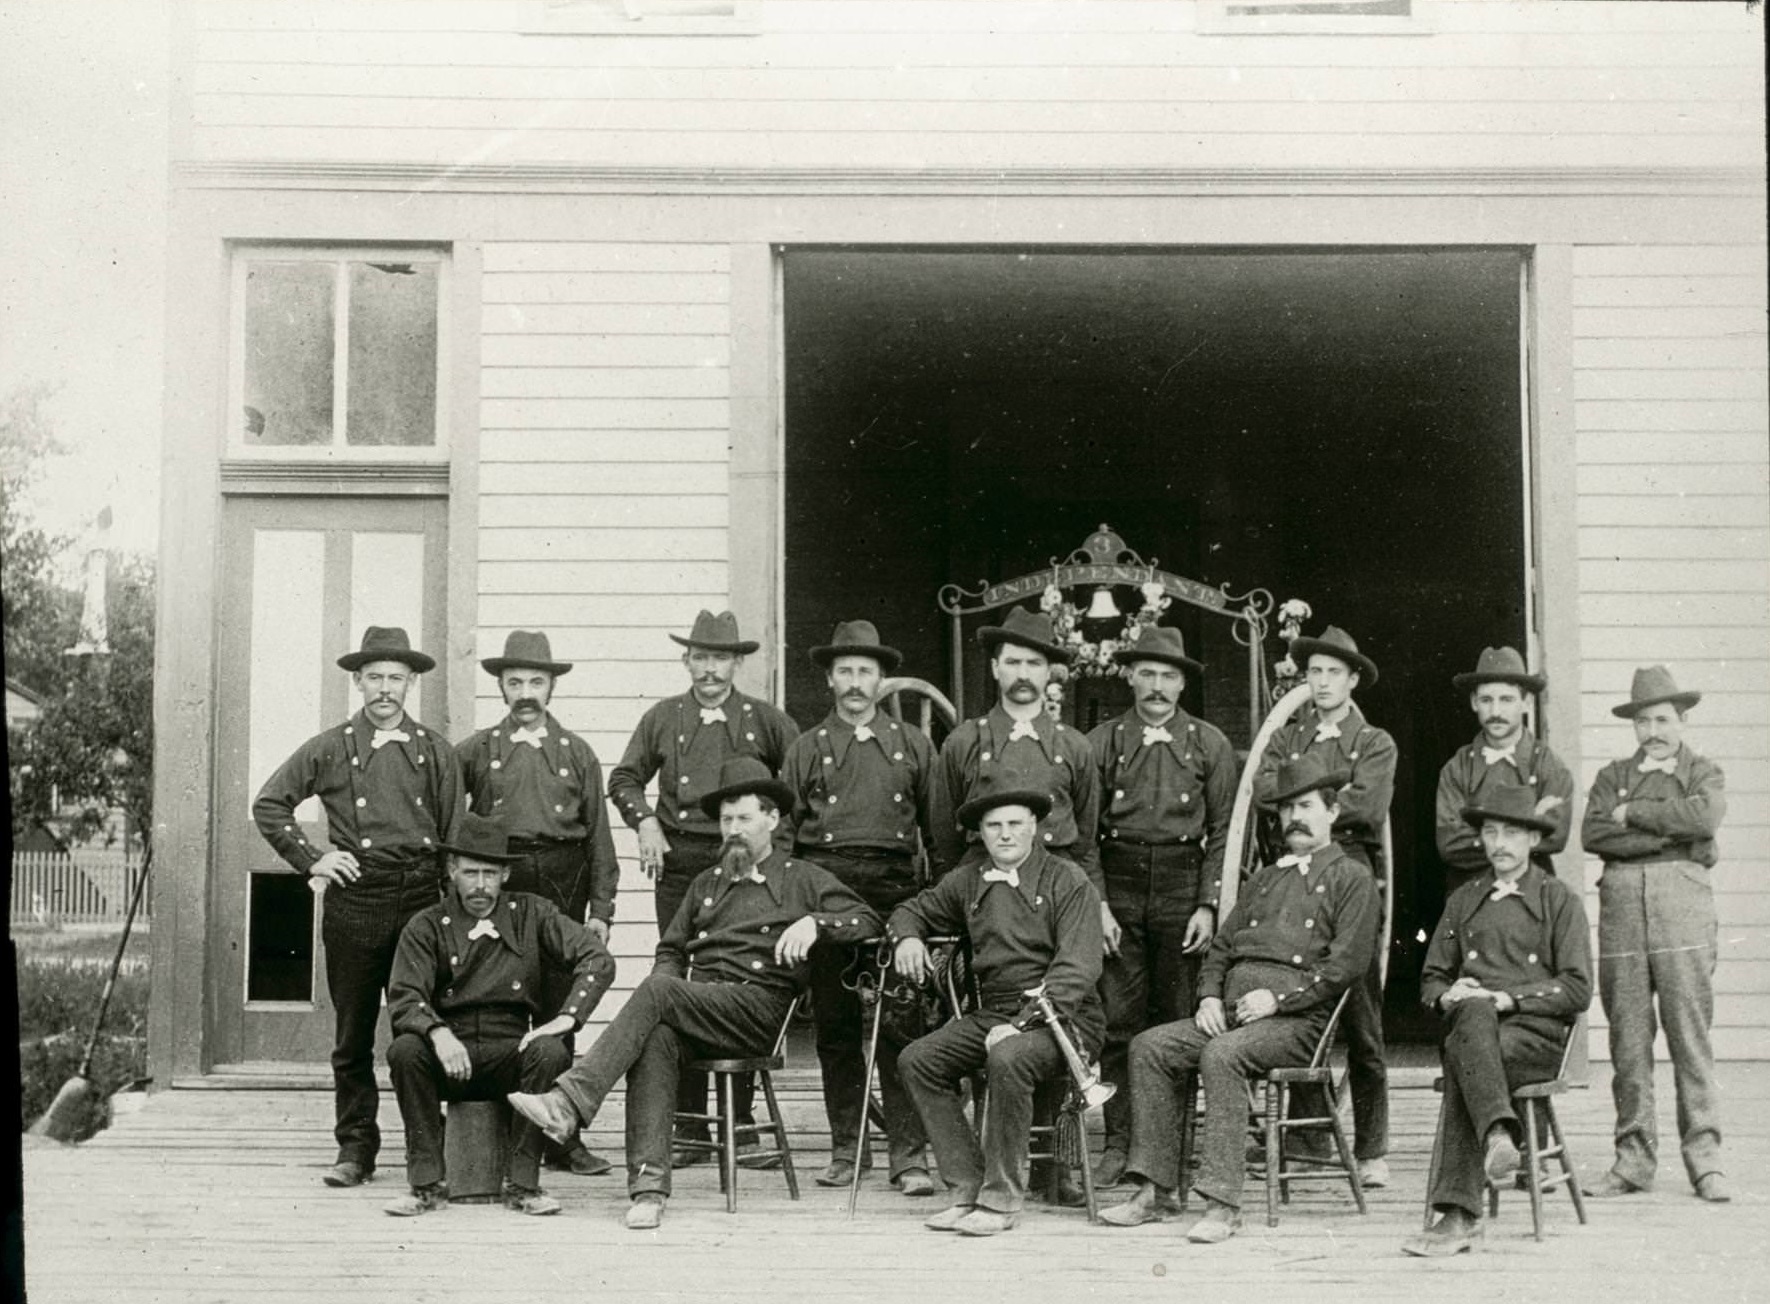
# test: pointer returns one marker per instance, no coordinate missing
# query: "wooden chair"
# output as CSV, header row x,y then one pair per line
x,y
724,1146
1063,1142
1534,1104
1269,1097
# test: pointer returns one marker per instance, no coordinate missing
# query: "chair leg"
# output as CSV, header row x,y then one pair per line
x,y
1432,1167
1079,1115
728,1148
1188,1134
1532,1152
779,1127
1274,1150
1569,1176
1345,1150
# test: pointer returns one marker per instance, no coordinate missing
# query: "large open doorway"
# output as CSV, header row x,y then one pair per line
x,y
1343,427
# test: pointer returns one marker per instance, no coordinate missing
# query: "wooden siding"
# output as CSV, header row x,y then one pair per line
x,y
1672,415
873,84
604,401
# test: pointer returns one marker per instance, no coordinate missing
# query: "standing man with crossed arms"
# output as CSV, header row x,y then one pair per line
x,y
685,741
392,796
861,785
543,784
1333,729
1167,787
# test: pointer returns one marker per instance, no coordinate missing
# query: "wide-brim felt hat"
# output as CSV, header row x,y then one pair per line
x,y
1501,665
526,649
857,638
1159,643
1305,774
717,634
1512,803
971,814
741,776
386,643
480,837
1335,642
1024,628
1653,685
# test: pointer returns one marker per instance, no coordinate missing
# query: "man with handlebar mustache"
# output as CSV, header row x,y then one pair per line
x,y
543,784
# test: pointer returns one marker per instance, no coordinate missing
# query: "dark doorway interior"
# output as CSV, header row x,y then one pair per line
x,y
1339,427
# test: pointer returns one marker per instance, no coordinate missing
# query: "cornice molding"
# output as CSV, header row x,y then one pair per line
x,y
240,476
545,178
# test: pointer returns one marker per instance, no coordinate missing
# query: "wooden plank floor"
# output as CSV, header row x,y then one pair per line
x,y
214,1196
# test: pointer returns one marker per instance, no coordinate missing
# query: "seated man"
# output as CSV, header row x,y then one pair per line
x,y
466,988
1509,972
727,968
1302,929
1033,920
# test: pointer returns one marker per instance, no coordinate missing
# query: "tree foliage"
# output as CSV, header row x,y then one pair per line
x,y
41,616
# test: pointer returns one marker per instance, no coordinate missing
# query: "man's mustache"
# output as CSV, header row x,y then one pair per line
x,y
526,704
1296,826
1157,696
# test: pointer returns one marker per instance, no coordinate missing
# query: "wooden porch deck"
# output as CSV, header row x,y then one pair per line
x,y
214,1196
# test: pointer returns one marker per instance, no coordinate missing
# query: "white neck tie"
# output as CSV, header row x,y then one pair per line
x,y
484,928
1326,730
531,736
1503,888
384,736
1009,876
1023,729
1155,733
1669,765
710,714
1301,862
864,733
1494,755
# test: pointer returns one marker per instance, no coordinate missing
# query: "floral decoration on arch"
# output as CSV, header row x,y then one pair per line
x,y
1095,659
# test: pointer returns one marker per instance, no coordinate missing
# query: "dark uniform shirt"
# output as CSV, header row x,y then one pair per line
x,y
685,755
872,793
1045,931
977,759
492,984
396,801
1533,945
550,793
1304,937
1467,777
727,927
1167,793
1362,749
1670,816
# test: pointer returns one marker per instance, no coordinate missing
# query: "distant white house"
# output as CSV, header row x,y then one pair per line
x,y
23,705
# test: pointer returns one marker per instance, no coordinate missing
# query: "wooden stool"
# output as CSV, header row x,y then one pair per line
x,y
724,1146
1535,1107
476,1150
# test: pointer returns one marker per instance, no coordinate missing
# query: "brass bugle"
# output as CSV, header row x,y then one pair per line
x,y
1094,1092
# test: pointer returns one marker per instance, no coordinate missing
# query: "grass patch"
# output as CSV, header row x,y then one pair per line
x,y
60,977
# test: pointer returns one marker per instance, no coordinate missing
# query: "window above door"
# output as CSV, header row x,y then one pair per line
x,y
336,355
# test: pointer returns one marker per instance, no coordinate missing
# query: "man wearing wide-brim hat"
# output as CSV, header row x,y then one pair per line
x,y
1653,817
1509,972
685,741
1018,745
1167,789
728,967
1032,920
1504,753
1331,726
861,784
1302,931
476,1014
543,783
391,791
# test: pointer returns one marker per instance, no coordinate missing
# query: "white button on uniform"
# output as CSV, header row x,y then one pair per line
x,y
362,801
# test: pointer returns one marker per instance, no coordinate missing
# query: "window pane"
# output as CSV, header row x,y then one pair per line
x,y
392,390
279,929
288,353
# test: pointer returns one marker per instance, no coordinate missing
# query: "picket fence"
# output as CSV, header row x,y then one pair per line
x,y
51,888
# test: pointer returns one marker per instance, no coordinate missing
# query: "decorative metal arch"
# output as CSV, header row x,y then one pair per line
x,y
1104,558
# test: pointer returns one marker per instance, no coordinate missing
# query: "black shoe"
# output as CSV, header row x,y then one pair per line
x,y
841,1171
579,1159
347,1172
419,1200
750,1155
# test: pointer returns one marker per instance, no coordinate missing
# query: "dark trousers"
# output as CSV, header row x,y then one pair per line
x,y
559,872
1485,1057
843,1024
1160,1060
934,1067
360,926
1152,892
688,855
421,1085
666,1022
